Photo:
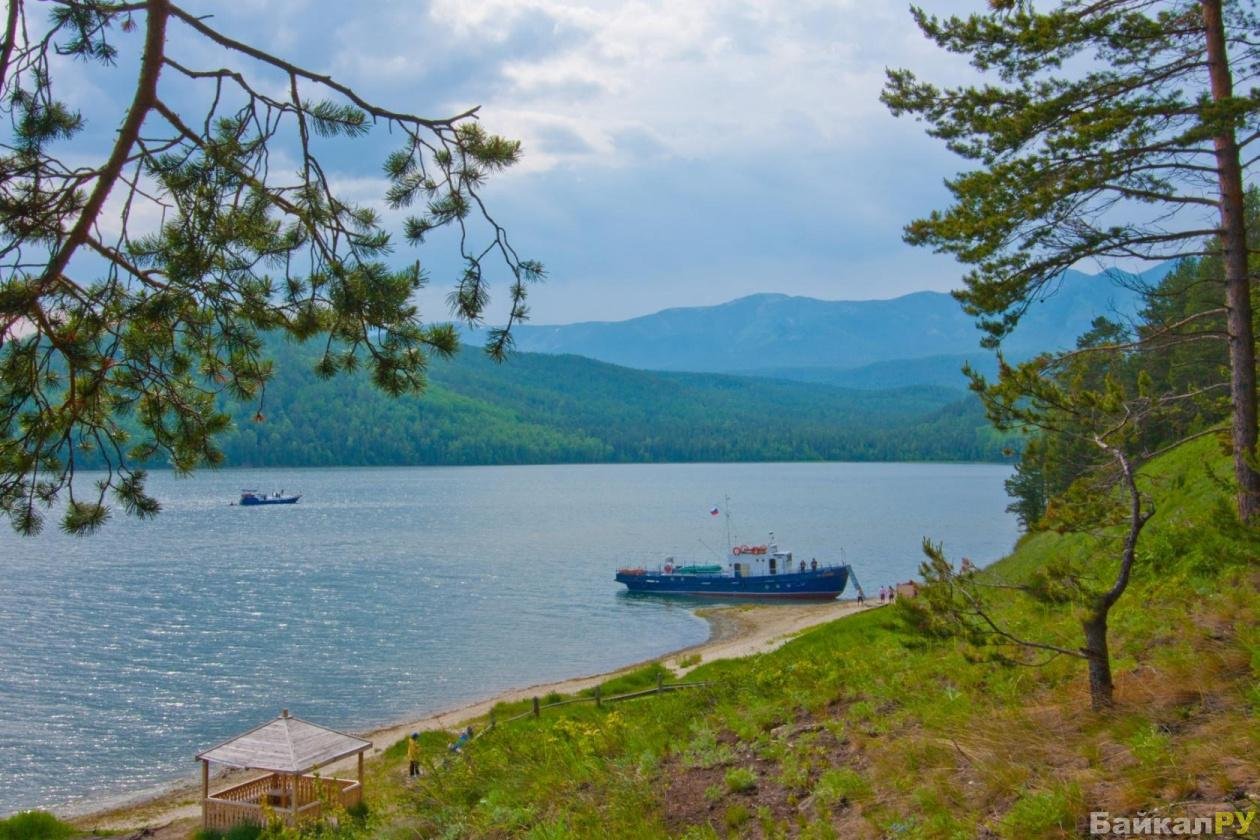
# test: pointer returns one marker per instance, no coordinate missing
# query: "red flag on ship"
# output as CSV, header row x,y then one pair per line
x,y
713,512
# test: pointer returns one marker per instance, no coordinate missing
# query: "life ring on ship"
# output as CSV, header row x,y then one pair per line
x,y
668,568
737,550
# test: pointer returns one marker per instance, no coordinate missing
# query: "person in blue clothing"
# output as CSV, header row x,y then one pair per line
x,y
464,738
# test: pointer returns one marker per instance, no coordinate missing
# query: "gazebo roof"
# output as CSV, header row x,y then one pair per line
x,y
285,745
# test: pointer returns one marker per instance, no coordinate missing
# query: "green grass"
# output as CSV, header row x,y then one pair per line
x,y
34,825
740,780
636,680
240,832
861,728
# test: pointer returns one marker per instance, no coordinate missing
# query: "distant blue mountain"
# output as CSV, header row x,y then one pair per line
x,y
915,339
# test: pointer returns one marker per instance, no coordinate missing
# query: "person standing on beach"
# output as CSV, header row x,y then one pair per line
x,y
413,755
883,594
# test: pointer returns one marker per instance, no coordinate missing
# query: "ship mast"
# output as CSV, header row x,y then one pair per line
x,y
729,544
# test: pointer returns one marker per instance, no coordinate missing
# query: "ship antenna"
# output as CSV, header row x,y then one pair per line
x,y
706,545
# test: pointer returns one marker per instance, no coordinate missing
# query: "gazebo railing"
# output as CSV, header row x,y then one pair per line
x,y
251,791
248,801
224,814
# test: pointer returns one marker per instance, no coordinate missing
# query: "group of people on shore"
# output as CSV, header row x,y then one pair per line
x,y
889,594
414,750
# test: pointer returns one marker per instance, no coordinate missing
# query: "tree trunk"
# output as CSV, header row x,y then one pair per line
x,y
1101,689
1242,356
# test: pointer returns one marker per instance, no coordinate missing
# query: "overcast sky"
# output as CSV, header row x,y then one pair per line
x,y
676,153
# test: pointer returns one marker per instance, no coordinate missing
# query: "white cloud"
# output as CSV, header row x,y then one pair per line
x,y
771,77
674,152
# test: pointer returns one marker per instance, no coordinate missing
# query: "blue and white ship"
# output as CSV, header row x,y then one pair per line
x,y
249,498
751,571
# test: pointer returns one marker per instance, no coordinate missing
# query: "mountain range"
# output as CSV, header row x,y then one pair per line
x,y
920,338
766,377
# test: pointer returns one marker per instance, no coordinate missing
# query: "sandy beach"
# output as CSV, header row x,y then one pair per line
x,y
735,631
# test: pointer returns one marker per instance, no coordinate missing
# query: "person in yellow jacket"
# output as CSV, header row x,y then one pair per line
x,y
413,754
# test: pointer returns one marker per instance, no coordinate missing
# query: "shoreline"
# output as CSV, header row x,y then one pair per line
x,y
734,631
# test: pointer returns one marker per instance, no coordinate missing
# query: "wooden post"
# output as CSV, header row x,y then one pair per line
x,y
491,726
597,698
536,709
293,799
360,777
205,793
660,683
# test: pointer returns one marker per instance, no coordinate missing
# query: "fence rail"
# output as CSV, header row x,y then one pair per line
x,y
537,707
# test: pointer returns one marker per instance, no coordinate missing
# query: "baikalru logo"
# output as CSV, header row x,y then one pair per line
x,y
1220,824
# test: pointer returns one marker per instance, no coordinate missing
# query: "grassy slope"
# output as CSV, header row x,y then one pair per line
x,y
858,729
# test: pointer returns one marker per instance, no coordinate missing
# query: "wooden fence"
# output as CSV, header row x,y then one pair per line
x,y
537,706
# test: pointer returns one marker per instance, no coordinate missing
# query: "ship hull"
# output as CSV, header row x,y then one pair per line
x,y
823,584
287,500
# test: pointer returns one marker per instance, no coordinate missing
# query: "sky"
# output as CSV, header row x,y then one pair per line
x,y
675,154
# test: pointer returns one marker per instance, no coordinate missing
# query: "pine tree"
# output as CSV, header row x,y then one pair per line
x,y
120,342
1105,130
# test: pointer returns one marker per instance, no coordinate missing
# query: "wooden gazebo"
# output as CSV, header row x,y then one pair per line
x,y
288,750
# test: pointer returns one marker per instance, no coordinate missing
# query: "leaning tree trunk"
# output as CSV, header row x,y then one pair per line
x,y
1101,688
1095,651
1242,356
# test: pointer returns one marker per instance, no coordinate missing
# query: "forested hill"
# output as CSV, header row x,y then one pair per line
x,y
943,371
567,409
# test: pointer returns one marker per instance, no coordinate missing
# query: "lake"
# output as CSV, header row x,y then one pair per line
x,y
386,594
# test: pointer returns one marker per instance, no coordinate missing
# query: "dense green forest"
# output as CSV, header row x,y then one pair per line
x,y
1175,348
567,409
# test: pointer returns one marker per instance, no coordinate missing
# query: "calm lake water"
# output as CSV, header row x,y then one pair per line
x,y
389,593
